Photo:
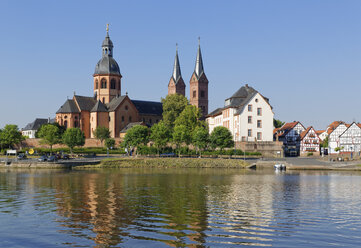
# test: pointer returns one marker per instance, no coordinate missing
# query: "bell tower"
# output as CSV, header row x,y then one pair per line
x,y
176,84
199,85
107,77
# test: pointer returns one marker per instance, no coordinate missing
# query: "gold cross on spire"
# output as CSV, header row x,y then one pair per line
x,y
107,27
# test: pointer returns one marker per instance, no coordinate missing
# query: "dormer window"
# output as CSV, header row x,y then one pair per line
x,y
227,102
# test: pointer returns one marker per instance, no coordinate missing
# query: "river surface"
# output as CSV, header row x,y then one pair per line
x,y
179,208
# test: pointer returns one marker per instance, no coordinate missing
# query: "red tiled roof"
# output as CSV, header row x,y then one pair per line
x,y
333,126
303,134
320,132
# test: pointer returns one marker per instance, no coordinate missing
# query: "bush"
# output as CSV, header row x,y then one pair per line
x,y
82,150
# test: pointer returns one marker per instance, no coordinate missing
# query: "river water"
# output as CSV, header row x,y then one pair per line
x,y
179,208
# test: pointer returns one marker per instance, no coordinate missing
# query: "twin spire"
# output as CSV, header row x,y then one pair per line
x,y
198,69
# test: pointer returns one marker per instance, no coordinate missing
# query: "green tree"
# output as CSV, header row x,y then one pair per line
x,y
109,143
200,138
277,123
136,136
62,129
221,137
324,143
173,105
101,133
73,137
189,118
160,135
50,135
10,136
181,135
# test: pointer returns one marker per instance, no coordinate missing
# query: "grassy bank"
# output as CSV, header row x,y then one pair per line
x,y
169,163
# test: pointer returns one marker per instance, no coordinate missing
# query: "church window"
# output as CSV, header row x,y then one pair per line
x,y
122,118
103,83
202,93
194,93
96,84
103,99
65,124
126,107
130,119
112,84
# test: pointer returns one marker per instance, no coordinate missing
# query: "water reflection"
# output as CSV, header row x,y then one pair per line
x,y
181,208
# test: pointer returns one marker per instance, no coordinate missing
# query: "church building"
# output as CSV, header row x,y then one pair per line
x,y
107,107
198,83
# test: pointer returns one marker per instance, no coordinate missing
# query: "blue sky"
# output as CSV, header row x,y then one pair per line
x,y
303,55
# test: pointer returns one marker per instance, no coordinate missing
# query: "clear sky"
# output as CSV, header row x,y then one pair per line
x,y
303,55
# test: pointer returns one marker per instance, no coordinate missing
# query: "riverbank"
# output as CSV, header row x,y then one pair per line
x,y
169,163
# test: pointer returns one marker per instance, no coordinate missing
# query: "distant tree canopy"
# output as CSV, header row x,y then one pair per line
x,y
50,135
73,137
101,133
277,123
61,129
160,135
189,117
173,105
221,138
136,136
10,136
200,138
109,143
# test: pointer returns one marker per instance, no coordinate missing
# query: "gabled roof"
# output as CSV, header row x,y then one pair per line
x,y
35,125
241,96
148,107
287,127
349,126
130,125
84,102
319,132
68,107
99,107
334,125
303,134
115,102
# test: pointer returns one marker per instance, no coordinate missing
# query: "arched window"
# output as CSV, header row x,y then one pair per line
x,y
130,119
104,83
112,83
96,84
66,124
122,118
75,123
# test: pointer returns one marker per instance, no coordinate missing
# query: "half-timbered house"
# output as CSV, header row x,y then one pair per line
x,y
310,142
350,139
289,134
334,130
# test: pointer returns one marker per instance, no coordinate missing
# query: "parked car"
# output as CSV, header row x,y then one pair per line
x,y
52,158
21,156
43,158
65,156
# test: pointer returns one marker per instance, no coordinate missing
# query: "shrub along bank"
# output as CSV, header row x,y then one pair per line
x,y
170,163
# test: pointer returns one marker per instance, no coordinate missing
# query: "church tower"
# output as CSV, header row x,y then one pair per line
x,y
176,84
107,77
199,85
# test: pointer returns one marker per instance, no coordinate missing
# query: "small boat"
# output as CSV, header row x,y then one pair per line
x,y
280,167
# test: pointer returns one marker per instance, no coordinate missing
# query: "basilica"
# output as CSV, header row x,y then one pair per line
x,y
109,108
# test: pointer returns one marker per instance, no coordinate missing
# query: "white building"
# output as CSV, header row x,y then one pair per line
x,y
247,114
30,129
350,139
334,131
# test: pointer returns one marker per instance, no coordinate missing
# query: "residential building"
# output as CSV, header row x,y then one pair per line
x,y
322,134
350,139
334,130
289,134
30,129
247,114
309,142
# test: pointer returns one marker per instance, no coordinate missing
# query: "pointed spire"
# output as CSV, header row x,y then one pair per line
x,y
176,68
199,62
